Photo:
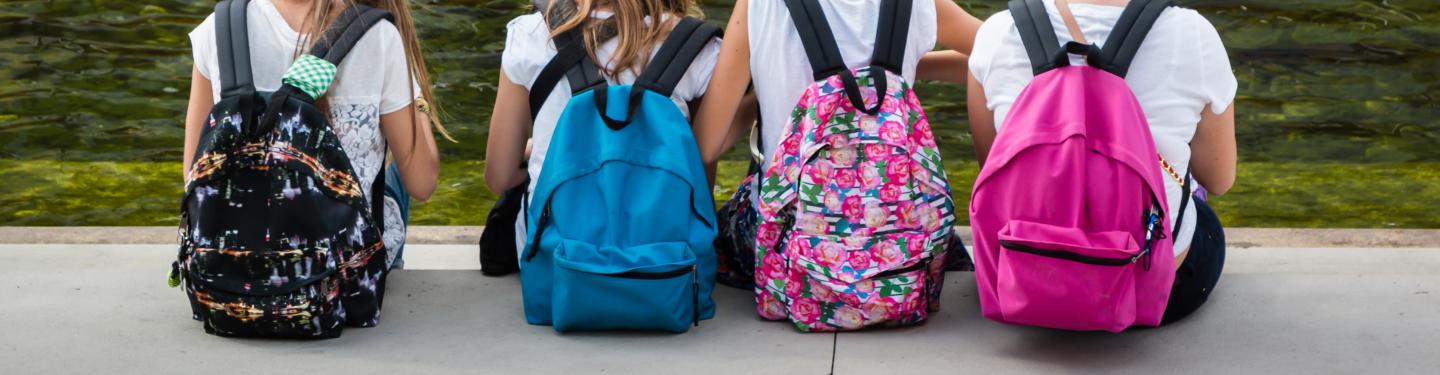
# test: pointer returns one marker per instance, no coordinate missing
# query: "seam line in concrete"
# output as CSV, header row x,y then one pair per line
x,y
469,235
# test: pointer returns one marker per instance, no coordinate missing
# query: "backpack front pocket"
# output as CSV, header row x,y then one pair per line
x,y
264,272
835,285
308,310
648,287
1067,278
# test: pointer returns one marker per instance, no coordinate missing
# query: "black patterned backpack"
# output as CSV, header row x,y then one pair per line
x,y
276,236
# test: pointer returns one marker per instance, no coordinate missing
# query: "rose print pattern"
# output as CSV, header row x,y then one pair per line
x,y
854,212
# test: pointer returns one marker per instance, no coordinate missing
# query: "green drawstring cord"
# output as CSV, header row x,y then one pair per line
x,y
174,279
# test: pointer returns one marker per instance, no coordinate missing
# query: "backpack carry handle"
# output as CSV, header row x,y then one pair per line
x,y
1046,53
824,53
663,73
602,102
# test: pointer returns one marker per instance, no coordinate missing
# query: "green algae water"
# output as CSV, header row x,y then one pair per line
x,y
1336,119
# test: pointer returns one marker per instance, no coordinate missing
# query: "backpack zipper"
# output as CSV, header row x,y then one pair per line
x,y
539,230
896,272
694,285
695,295
1098,261
654,275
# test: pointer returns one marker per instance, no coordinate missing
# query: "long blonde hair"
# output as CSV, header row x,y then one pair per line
x,y
323,12
636,37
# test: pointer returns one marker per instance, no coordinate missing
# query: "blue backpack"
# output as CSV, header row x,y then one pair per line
x,y
621,219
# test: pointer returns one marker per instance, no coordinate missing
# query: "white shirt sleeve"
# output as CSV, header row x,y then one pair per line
x,y
924,19
202,48
398,87
987,40
527,41
697,78
1217,80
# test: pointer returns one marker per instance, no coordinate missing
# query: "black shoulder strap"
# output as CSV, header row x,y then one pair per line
x,y
891,37
1129,32
824,53
346,31
335,42
1185,196
815,35
675,56
572,61
233,46
1038,36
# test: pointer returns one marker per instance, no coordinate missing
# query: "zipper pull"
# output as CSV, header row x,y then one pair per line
x,y
174,278
695,291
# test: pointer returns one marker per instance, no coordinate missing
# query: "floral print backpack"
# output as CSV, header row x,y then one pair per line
x,y
855,208
276,236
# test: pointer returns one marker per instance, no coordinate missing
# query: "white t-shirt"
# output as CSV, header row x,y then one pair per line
x,y
1180,68
373,80
528,48
781,71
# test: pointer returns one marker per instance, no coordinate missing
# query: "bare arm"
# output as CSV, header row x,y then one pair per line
x,y
745,118
955,28
982,120
408,134
945,66
505,149
1213,151
715,121
201,101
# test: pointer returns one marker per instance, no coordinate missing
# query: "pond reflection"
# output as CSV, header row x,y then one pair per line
x,y
1321,81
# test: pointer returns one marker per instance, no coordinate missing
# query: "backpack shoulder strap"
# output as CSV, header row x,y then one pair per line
x,y
816,36
233,47
824,54
355,22
346,31
1038,36
313,80
891,37
1129,32
675,56
571,61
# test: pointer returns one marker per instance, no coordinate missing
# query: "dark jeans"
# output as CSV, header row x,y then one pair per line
x,y
1197,275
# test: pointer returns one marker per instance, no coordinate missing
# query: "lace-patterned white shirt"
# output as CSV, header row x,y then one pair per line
x,y
374,79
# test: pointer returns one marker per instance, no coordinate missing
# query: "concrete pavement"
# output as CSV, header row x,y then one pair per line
x,y
105,308
465,235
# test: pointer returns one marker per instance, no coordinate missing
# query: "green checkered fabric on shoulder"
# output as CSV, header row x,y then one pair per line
x,y
311,74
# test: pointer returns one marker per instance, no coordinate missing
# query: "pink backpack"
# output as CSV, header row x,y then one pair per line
x,y
854,206
1069,209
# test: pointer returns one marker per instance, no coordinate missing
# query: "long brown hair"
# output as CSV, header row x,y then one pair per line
x,y
323,12
636,37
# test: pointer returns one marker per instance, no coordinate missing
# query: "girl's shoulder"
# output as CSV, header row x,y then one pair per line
x,y
527,48
530,24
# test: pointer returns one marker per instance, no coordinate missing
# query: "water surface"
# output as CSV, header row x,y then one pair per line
x,y
1333,93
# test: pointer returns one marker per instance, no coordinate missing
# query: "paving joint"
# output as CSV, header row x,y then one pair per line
x,y
470,235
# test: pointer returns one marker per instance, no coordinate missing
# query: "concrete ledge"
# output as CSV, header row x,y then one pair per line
x,y
469,235
104,308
